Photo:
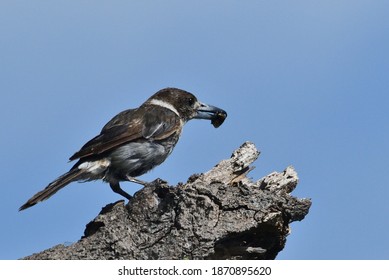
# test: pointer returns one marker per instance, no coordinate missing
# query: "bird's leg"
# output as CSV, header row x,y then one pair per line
x,y
134,180
117,189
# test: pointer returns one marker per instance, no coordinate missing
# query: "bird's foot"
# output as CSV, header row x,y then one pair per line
x,y
137,181
157,181
117,189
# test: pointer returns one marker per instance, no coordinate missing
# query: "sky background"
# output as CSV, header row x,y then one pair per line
x,y
306,81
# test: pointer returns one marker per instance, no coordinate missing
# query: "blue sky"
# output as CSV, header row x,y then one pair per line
x,y
306,81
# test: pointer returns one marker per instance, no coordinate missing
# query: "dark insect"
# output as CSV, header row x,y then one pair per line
x,y
218,119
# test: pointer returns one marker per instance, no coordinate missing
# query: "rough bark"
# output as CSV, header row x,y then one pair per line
x,y
220,214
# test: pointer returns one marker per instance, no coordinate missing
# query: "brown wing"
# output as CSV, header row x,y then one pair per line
x,y
147,122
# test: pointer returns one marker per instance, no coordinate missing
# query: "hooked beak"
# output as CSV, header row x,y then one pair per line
x,y
209,112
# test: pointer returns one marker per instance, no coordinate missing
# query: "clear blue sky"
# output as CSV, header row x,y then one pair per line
x,y
306,81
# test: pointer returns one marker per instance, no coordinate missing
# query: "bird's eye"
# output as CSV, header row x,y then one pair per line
x,y
191,101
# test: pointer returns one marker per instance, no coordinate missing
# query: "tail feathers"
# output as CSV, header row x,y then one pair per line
x,y
73,175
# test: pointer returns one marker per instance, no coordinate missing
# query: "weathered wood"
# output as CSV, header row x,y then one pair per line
x,y
220,214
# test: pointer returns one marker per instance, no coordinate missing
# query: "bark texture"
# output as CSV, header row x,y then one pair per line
x,y
221,214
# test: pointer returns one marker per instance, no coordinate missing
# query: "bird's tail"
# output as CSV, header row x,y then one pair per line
x,y
73,175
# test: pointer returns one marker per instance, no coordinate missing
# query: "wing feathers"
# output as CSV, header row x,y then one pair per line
x,y
148,122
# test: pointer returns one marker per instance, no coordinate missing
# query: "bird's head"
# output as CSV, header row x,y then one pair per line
x,y
187,106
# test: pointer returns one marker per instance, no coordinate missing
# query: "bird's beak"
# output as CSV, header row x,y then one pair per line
x,y
209,112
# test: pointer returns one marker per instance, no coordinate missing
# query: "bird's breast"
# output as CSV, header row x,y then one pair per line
x,y
136,158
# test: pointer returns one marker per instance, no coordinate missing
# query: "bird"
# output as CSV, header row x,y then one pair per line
x,y
133,142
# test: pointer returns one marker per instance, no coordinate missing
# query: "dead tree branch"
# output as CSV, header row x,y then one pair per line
x,y
220,214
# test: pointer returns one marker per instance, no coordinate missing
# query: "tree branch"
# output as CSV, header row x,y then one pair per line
x,y
220,214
